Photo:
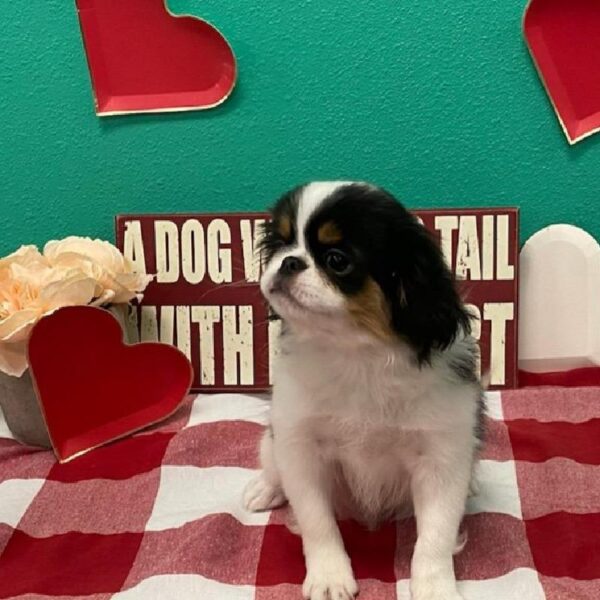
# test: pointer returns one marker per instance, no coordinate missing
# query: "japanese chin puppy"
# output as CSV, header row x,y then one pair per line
x,y
377,405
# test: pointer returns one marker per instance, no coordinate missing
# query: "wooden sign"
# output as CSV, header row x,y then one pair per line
x,y
206,298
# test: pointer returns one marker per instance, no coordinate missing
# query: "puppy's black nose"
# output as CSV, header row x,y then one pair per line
x,y
292,265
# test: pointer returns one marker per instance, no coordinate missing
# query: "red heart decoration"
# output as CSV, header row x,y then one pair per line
x,y
94,389
144,59
564,41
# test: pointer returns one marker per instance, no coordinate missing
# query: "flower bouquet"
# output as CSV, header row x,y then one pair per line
x,y
72,272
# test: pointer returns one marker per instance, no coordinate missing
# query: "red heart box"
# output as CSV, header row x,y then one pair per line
x,y
144,59
564,40
94,389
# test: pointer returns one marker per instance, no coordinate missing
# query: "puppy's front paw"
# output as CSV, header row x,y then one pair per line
x,y
434,589
262,495
330,578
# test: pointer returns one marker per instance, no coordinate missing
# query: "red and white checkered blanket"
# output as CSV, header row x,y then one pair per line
x,y
159,515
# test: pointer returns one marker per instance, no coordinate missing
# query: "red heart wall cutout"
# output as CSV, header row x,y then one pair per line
x,y
94,389
144,59
564,40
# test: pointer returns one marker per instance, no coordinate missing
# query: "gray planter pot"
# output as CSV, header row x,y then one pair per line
x,y
22,411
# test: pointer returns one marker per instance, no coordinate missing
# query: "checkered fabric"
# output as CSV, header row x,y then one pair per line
x,y
159,515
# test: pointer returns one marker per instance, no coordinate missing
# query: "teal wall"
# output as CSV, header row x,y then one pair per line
x,y
438,101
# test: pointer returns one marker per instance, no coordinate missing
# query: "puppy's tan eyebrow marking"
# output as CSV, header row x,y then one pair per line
x,y
284,228
329,233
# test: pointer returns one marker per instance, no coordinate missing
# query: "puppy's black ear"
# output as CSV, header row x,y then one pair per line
x,y
426,307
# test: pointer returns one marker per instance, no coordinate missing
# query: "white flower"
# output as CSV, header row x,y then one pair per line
x,y
30,289
72,272
116,283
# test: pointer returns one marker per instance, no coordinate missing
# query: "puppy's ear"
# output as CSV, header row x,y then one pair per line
x,y
426,307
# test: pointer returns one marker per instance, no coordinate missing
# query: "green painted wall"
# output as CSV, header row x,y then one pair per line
x,y
438,101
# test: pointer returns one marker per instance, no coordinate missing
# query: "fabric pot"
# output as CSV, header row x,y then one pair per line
x,y
22,411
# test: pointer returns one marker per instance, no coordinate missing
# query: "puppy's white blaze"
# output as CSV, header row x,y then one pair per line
x,y
311,198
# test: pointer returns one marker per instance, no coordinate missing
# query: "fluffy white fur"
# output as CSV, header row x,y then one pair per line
x,y
359,430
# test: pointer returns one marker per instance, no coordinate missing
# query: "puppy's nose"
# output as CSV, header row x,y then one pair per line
x,y
292,265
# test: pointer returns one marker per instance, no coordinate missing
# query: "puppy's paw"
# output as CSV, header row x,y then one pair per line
x,y
261,495
434,589
330,579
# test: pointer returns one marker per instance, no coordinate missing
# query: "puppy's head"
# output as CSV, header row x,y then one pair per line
x,y
349,254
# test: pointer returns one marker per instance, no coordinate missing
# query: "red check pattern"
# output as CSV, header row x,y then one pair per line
x,y
159,515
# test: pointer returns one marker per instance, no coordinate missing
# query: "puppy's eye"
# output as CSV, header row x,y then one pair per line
x,y
338,262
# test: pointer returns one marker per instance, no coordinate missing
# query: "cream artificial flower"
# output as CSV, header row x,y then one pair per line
x,y
116,283
28,256
30,289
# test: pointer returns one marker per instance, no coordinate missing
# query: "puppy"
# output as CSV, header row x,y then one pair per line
x,y
377,407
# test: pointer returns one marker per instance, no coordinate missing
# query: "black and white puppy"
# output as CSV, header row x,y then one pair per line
x,y
376,402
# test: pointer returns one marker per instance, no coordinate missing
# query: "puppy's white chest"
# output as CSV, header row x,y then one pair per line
x,y
369,465
352,382
361,441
